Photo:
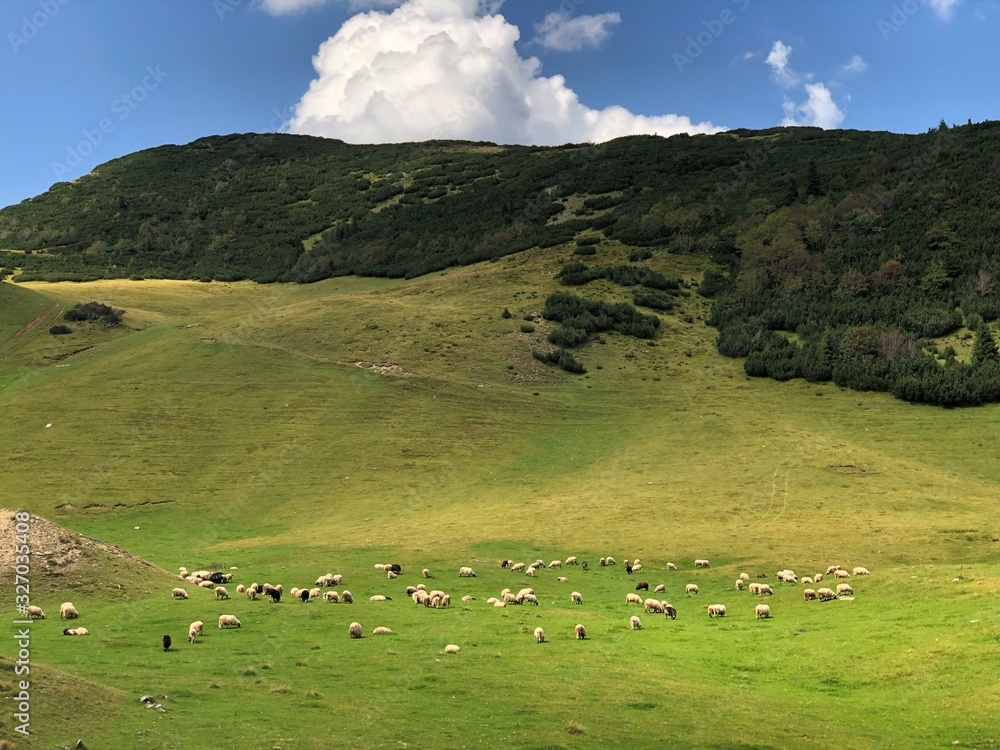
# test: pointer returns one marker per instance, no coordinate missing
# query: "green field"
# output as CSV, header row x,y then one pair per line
x,y
242,426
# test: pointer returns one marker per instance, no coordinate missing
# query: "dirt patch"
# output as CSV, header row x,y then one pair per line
x,y
393,370
852,469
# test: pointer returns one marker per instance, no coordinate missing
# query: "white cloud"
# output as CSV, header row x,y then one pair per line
x,y
943,8
560,32
778,60
444,69
854,66
819,110
749,55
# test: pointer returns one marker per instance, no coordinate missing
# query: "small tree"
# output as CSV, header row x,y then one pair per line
x,y
985,347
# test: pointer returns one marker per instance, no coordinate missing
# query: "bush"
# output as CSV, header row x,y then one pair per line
x,y
60,330
95,312
587,241
637,255
654,300
585,250
506,314
562,359
527,328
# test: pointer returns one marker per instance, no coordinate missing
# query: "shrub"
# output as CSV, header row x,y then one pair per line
x,y
637,255
95,312
506,314
527,328
585,250
562,359
654,300
60,330
587,241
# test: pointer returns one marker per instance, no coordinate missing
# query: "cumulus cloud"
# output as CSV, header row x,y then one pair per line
x,y
560,32
854,66
943,8
819,110
782,74
450,69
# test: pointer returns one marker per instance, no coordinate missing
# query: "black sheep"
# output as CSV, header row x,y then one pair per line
x,y
670,612
275,595
217,578
642,586
584,564
304,595
762,575
396,568
628,569
166,643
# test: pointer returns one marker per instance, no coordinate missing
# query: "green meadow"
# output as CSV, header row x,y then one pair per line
x,y
281,432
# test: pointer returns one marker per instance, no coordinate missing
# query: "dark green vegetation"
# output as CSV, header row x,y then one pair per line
x,y
839,255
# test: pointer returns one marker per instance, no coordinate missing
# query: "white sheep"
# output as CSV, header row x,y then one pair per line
x,y
530,572
207,585
762,612
228,621
241,589
354,630
347,597
377,598
636,568
76,631
808,594
381,631
390,574
702,564
671,566
576,597
765,590
603,561
581,632
652,605
807,581
192,636
221,593
754,588
844,589
466,572
555,564
529,599
315,593
539,635
67,611
517,567
830,571
859,571
635,623
198,626
826,595
500,603
609,560
716,610
331,596
631,598
251,593
379,567
468,598
179,594
451,648
421,587
570,561
739,584
562,580
691,589
662,588
337,580
841,574
425,573
35,613
744,576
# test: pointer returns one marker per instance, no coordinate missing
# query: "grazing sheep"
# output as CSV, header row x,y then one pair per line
x,y
337,580
633,599
817,578
465,572
67,611
221,593
391,574
380,567
420,597
581,633
468,598
636,568
378,598
76,631
844,589
807,581
570,561
295,590
207,584
702,564
652,605
347,597
584,565
280,589
739,584
642,586
628,567
241,589
435,602
555,564
275,595
251,594
425,573
421,587
755,588
354,630
517,567
764,590
716,610
35,613
179,594
446,600
228,621
808,594
786,576
304,595
198,626
192,636
166,643
603,562
560,579
530,572
762,612
826,595
635,623
669,611
859,571
451,648
744,577
691,589
610,560
576,597
500,603
761,575
315,593
529,599
381,631
830,571
539,635
492,600
660,589
841,574
671,566
331,596
525,591
506,563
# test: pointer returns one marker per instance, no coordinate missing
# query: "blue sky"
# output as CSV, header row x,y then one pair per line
x,y
85,81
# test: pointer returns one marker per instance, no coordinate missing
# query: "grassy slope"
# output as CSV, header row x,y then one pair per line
x,y
230,432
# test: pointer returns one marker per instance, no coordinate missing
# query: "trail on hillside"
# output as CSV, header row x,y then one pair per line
x,y
48,315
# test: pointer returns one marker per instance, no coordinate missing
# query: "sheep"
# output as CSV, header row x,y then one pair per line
x,y
492,600
602,562
859,571
652,605
786,576
826,595
661,588
275,595
395,568
671,566
525,591
499,603
576,597
192,636
636,568
331,596
451,648
762,612
446,600
831,569
716,610
207,585
702,564
228,621
304,596
669,611
754,588
381,631
295,590
642,586
378,598
198,626
179,594
610,560
817,578
739,584
67,611
808,594
420,597
380,567
530,599
633,599
391,574
221,593
530,572
691,589
841,574
585,566
465,572
354,630
844,589
35,613
506,563
807,581
241,589
76,631
635,562
744,577
347,597
561,580
765,590
251,594
315,593
435,602
581,633
628,567
425,573
337,580
468,598
627,563
539,635
517,567
555,564
635,623
570,561
166,643
421,587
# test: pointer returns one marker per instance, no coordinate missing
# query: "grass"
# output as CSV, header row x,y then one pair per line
x,y
238,426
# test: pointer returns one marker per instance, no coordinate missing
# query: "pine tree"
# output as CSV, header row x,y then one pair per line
x,y
985,348
813,183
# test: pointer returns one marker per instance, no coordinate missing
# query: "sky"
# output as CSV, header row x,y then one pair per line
x,y
86,81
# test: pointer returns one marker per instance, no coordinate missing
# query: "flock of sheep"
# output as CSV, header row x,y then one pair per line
x,y
526,596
